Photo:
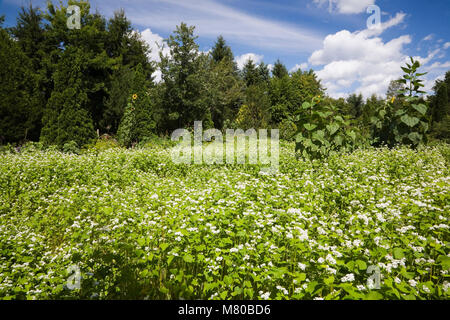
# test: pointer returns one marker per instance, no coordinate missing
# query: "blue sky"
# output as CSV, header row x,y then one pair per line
x,y
329,36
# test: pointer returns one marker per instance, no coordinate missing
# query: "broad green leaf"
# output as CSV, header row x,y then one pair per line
x,y
332,128
328,281
319,135
352,135
299,137
309,126
420,108
409,121
415,137
374,295
398,253
444,261
188,258
361,265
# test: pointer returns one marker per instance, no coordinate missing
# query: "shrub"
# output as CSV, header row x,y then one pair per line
x,y
287,130
71,147
322,130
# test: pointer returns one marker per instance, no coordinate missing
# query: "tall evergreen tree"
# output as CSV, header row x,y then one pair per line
x,y
264,73
225,92
356,105
279,70
67,117
128,50
221,51
140,116
184,75
440,105
18,92
441,112
250,73
29,33
119,92
125,43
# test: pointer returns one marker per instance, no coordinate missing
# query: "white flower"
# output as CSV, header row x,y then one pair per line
x,y
282,289
264,296
302,266
412,283
360,287
303,234
446,286
331,270
330,259
321,260
348,278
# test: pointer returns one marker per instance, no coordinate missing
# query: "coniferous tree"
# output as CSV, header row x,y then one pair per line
x,y
224,91
282,97
67,117
440,105
221,51
119,91
279,70
441,112
250,73
146,111
18,94
30,36
356,105
184,75
264,73
128,50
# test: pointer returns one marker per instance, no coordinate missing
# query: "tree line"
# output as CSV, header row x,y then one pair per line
x,y
61,85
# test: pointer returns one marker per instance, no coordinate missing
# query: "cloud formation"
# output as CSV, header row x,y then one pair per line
x,y
212,18
360,60
242,59
346,6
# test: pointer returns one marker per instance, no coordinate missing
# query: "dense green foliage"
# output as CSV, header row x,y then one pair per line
x,y
65,85
440,109
322,130
139,226
406,122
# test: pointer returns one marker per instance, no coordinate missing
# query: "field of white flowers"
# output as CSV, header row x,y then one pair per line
x,y
140,227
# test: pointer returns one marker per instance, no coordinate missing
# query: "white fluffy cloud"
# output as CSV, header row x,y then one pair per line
x,y
360,61
347,6
242,59
156,44
302,66
447,45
